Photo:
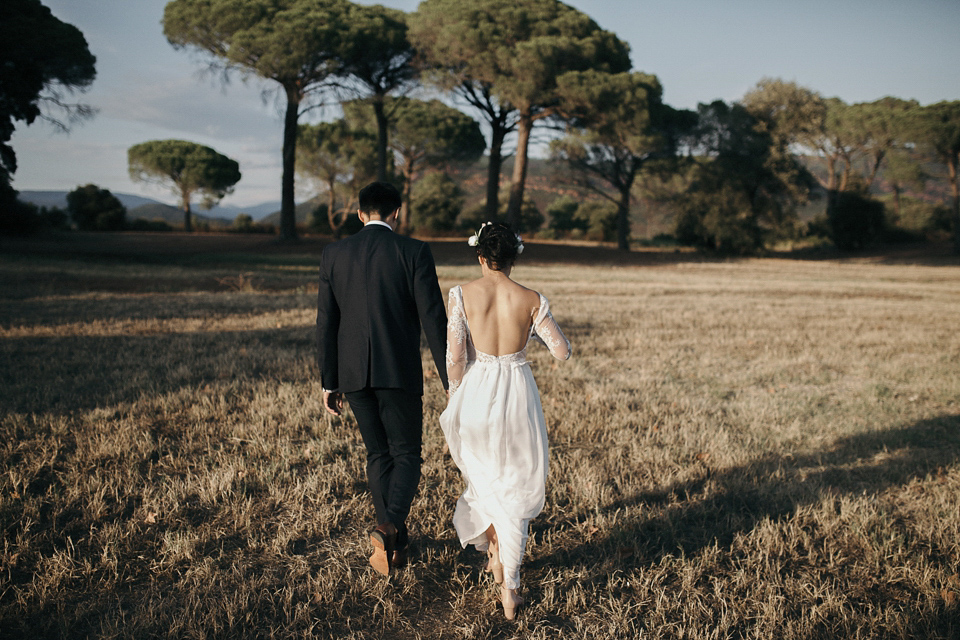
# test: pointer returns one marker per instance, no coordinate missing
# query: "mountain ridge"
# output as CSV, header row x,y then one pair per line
x,y
133,203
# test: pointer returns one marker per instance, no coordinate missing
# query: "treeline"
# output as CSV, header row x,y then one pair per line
x,y
93,208
734,174
751,167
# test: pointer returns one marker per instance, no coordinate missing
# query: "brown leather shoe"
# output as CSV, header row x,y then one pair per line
x,y
399,558
383,538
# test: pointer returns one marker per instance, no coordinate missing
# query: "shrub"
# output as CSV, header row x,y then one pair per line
x,y
564,217
471,219
96,209
438,202
243,223
54,218
156,224
854,220
16,217
600,218
720,220
530,217
659,240
317,220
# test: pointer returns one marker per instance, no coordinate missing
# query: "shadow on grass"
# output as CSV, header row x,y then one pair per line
x,y
62,375
719,506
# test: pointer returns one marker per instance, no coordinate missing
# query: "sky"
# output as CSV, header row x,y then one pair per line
x,y
701,50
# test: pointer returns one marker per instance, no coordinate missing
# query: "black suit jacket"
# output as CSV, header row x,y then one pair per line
x,y
377,288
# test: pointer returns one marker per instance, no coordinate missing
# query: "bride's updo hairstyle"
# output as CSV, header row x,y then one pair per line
x,y
497,244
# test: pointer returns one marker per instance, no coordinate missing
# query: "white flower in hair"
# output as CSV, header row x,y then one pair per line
x,y
519,244
475,238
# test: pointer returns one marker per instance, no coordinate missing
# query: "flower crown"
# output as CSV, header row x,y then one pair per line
x,y
475,238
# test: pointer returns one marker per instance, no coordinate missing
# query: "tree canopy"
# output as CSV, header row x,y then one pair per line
x,y
334,153
377,55
453,74
295,43
425,133
188,168
42,59
619,125
937,127
517,51
743,185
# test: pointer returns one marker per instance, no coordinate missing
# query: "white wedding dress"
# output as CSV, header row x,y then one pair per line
x,y
497,435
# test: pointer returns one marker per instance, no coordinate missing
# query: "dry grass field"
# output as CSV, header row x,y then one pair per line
x,y
763,448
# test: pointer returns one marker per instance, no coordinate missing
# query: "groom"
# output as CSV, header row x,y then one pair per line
x,y
377,288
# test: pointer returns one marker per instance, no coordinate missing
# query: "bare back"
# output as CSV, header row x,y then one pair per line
x,y
500,313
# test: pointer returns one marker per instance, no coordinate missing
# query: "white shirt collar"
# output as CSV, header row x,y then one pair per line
x,y
380,222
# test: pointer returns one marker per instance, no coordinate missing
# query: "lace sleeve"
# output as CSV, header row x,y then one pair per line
x,y
456,341
548,331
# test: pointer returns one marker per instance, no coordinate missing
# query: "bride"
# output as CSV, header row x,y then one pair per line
x,y
493,422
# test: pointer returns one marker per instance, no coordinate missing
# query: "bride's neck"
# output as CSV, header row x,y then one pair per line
x,y
495,276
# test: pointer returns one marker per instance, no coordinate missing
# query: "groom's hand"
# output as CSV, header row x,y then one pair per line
x,y
333,402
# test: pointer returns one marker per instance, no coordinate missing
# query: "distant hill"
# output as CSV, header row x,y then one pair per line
x,y
173,216
149,209
59,199
301,212
257,212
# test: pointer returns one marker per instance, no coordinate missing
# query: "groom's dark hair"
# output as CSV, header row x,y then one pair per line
x,y
380,199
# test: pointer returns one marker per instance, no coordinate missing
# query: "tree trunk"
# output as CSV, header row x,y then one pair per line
x,y
831,185
831,173
845,178
877,161
187,216
408,175
518,181
623,218
497,136
382,135
331,212
288,215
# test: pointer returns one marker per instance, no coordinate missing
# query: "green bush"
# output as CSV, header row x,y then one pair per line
x,y
922,216
437,202
96,209
855,221
600,217
530,217
317,220
471,219
659,240
54,218
719,220
156,224
16,217
563,214
243,223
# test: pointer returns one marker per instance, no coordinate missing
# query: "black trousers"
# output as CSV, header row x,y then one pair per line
x,y
391,425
